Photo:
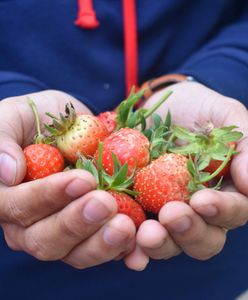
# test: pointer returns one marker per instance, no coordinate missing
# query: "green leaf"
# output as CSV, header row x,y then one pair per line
x,y
120,176
79,164
155,153
203,176
219,132
167,122
51,130
142,120
183,133
186,150
231,137
132,120
191,167
116,162
157,120
203,162
148,133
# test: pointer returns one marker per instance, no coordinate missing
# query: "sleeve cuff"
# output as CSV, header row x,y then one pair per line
x,y
16,84
223,74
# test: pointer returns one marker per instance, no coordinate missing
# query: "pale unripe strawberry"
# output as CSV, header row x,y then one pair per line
x,y
77,134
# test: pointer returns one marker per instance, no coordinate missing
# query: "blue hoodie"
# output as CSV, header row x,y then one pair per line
x,y
41,48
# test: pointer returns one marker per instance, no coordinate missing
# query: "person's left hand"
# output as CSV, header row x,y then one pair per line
x,y
198,229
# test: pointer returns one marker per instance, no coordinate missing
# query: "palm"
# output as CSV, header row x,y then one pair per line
x,y
193,103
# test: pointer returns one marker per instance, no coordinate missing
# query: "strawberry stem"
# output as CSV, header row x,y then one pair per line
x,y
99,165
220,168
39,136
149,112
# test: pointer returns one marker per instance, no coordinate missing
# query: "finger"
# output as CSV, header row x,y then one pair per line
x,y
155,241
238,116
109,242
137,260
27,203
18,129
239,167
190,231
54,237
12,160
225,209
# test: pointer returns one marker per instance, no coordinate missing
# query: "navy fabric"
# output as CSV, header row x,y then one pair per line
x,y
40,48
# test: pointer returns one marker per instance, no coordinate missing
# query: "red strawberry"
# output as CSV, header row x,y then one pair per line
x,y
129,145
128,206
109,120
77,134
42,160
165,179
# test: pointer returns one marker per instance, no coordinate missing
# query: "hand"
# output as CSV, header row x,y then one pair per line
x,y
60,217
198,229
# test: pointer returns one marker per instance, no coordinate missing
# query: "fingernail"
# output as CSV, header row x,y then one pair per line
x,y
180,225
95,212
77,187
7,169
114,237
207,210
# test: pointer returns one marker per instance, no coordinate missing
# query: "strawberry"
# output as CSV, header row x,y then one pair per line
x,y
165,179
129,146
210,145
77,133
118,184
109,120
41,159
128,206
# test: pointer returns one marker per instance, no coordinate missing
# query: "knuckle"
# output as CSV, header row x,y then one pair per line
x,y
70,227
16,214
212,251
96,257
37,249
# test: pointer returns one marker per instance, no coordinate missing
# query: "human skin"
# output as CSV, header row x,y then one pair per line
x,y
63,216
198,229
35,215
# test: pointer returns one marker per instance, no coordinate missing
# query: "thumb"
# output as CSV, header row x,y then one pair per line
x,y
12,160
239,167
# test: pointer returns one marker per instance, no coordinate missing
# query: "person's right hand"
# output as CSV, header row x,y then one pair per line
x,y
60,217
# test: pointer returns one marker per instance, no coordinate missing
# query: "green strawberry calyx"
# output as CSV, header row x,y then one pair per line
x,y
60,125
159,135
208,143
127,116
199,177
119,181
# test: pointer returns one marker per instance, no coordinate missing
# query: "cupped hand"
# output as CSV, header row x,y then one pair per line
x,y
198,229
62,216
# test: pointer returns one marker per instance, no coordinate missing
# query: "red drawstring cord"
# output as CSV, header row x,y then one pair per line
x,y
87,20
86,15
130,44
